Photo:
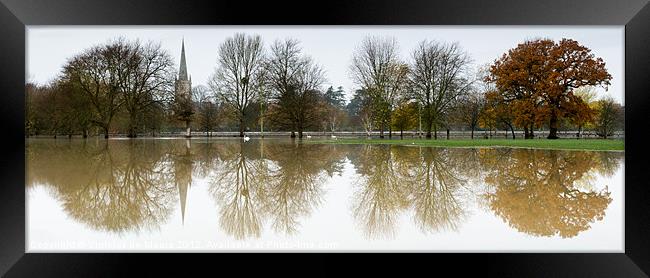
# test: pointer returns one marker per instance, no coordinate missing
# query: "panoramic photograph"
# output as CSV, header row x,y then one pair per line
x,y
324,138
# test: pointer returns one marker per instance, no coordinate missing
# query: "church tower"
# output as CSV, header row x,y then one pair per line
x,y
183,85
183,94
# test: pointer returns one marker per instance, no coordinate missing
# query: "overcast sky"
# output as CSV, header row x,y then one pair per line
x,y
48,48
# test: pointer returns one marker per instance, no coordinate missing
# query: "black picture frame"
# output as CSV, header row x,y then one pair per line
x,y
634,14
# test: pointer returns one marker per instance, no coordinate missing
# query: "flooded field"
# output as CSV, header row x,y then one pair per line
x,y
274,194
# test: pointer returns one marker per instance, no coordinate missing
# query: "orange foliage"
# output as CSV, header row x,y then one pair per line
x,y
538,78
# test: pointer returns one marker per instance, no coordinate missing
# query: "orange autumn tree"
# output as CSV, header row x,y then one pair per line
x,y
538,78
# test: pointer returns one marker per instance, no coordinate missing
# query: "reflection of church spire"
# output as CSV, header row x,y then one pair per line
x,y
183,177
182,192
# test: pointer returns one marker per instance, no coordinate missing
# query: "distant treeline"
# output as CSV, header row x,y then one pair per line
x,y
128,87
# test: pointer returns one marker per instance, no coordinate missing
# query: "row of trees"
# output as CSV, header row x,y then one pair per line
x,y
532,86
123,79
128,86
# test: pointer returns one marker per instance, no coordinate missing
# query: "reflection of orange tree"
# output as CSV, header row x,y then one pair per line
x,y
394,179
277,182
115,187
535,191
606,163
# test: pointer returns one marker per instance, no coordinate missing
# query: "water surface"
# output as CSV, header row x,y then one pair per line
x,y
275,194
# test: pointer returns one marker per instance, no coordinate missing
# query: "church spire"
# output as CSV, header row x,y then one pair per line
x,y
182,73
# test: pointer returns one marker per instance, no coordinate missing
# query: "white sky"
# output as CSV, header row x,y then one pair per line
x,y
48,47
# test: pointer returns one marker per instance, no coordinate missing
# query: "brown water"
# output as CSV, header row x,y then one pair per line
x,y
225,194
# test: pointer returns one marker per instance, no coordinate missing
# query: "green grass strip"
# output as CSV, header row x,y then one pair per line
x,y
559,144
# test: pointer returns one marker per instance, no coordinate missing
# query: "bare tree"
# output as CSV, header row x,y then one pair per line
x,y
145,78
294,80
376,68
95,71
207,109
437,78
238,77
468,109
121,74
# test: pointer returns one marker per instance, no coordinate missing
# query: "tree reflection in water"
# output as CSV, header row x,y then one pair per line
x,y
381,196
121,186
239,189
538,192
280,183
394,179
294,187
107,185
436,188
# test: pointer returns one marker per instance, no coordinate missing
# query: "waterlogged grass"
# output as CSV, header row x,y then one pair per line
x,y
559,144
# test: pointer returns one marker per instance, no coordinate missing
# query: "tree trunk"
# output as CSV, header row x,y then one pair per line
x,y
293,134
381,132
579,130
529,132
526,133
241,127
435,132
552,133
132,129
447,134
300,133
105,132
472,134
85,133
188,129
513,132
532,132
401,134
